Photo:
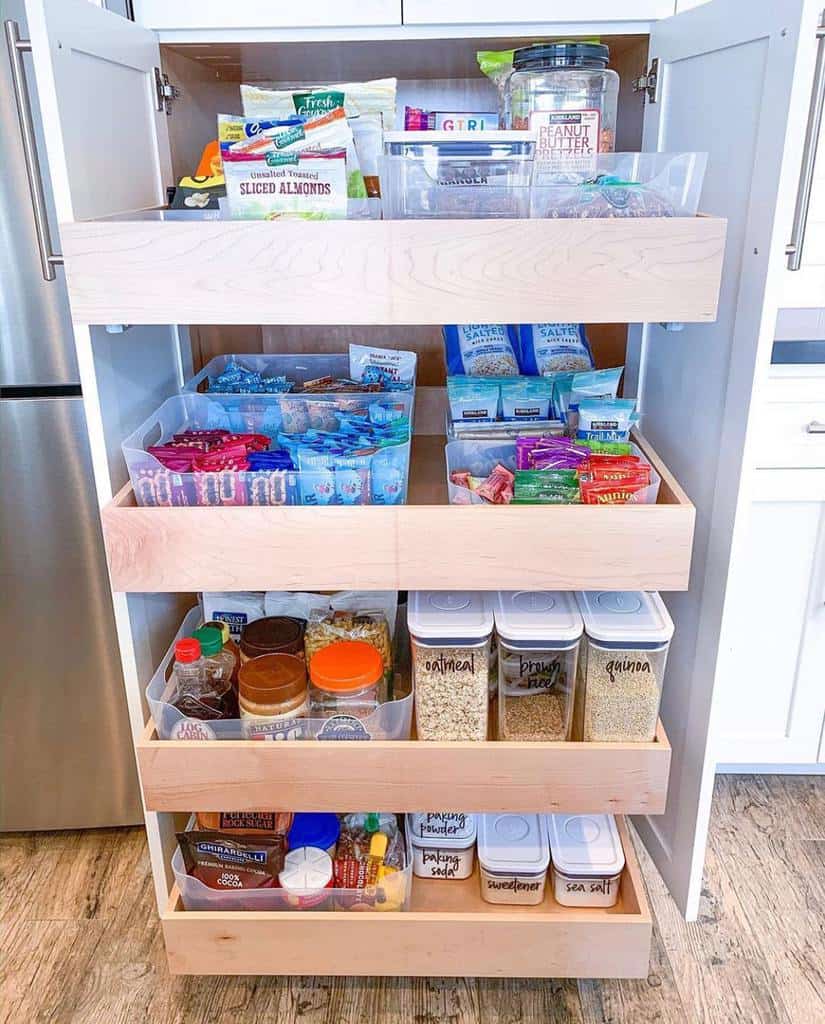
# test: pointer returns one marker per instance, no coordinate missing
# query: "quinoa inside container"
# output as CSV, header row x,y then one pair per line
x,y
622,665
513,857
450,637
443,856
587,859
538,635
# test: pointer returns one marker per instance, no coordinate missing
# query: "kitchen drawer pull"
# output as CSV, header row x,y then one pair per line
x,y
17,47
815,427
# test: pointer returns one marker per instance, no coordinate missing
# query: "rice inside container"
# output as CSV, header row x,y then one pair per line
x,y
443,845
513,856
587,858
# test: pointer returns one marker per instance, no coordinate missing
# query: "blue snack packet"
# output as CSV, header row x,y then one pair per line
x,y
481,350
606,419
553,348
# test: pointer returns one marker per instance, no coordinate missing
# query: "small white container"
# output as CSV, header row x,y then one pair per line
x,y
306,878
513,856
443,845
587,857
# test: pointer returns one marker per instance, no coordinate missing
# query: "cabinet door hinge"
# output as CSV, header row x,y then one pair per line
x,y
649,82
165,92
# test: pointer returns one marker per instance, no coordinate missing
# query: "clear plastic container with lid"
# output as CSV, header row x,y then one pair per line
x,y
566,93
587,859
622,664
538,646
513,856
450,636
345,679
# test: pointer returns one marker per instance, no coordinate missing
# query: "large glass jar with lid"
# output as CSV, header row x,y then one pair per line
x,y
566,93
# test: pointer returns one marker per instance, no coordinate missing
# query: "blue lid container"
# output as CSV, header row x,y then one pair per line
x,y
319,830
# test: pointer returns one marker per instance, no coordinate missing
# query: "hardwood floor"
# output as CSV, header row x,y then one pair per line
x,y
80,944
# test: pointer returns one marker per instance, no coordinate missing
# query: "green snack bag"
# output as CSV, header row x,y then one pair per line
x,y
497,65
606,447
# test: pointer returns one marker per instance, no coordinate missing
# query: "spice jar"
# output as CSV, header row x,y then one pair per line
x,y
272,694
450,634
622,664
513,855
345,678
274,634
566,93
538,645
587,859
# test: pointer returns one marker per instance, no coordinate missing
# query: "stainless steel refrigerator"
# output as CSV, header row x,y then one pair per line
x,y
66,757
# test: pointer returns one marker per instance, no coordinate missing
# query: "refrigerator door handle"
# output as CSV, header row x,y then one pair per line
x,y
49,259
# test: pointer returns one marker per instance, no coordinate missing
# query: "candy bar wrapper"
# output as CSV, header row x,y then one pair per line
x,y
226,487
161,487
611,493
267,486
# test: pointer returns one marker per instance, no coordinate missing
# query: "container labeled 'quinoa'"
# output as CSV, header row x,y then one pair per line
x,y
450,634
538,644
622,664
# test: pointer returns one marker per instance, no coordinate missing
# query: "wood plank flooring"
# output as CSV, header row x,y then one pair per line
x,y
80,944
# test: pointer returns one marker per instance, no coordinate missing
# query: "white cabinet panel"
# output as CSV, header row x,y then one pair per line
x,y
264,14
791,435
771,707
493,12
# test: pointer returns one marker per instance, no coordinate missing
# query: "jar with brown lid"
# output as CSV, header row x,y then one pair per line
x,y
274,634
273,698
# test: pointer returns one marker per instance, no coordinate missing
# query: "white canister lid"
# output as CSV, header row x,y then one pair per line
x,y
513,843
306,869
449,615
625,616
585,845
445,829
542,616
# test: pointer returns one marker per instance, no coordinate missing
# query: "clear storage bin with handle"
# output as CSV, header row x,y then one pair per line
x,y
456,175
587,859
538,635
450,636
392,720
622,665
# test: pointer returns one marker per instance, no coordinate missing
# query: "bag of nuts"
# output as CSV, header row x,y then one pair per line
x,y
328,627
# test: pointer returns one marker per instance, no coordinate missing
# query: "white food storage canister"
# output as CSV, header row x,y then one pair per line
x,y
587,859
513,855
622,664
443,845
450,634
538,646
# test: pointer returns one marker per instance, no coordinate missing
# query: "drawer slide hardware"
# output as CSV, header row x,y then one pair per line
x,y
165,92
815,427
649,83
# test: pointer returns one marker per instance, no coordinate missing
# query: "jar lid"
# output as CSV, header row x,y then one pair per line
x,y
560,55
272,678
187,650
541,616
585,844
513,843
210,640
306,869
319,830
272,634
631,617
449,614
346,666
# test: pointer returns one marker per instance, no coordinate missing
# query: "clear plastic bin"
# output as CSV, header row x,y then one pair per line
x,y
457,175
538,635
481,457
391,721
393,893
622,665
626,185
154,484
297,367
450,636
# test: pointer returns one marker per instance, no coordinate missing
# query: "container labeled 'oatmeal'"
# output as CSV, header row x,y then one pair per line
x,y
450,634
622,664
538,645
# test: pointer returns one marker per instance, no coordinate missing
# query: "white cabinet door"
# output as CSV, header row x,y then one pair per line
x,y
493,12
731,74
770,709
197,15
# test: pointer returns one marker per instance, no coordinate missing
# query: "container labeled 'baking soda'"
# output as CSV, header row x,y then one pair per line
x,y
513,856
587,858
443,845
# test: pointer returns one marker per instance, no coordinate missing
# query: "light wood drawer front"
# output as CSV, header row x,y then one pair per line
x,y
449,931
394,272
791,435
404,775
